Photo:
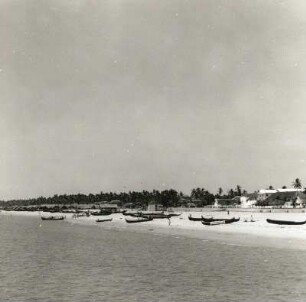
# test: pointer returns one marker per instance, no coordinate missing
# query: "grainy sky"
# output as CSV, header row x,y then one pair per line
x,y
132,94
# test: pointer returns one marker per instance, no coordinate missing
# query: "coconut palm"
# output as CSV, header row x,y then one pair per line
x,y
297,184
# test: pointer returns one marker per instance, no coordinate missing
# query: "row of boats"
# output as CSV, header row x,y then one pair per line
x,y
135,216
215,221
149,216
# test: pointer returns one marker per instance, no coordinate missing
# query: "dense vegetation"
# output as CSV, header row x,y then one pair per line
x,y
199,197
167,198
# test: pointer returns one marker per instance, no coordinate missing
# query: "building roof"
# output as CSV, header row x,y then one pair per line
x,y
280,198
266,191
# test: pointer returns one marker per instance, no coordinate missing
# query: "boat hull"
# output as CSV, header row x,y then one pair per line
x,y
285,222
101,213
104,220
53,218
227,220
138,220
213,222
195,218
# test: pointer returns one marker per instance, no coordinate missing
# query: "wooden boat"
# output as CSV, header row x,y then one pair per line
x,y
101,213
152,213
156,216
213,222
285,222
232,220
104,220
219,221
53,218
140,219
133,214
227,220
195,218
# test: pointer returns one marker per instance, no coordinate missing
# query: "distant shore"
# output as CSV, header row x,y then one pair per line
x,y
258,233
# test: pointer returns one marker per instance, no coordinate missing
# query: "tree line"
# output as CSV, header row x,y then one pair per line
x,y
167,198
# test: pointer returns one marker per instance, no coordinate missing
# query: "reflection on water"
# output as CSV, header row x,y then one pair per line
x,y
57,261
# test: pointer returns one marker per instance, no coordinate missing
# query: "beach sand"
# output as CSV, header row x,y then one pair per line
x,y
258,233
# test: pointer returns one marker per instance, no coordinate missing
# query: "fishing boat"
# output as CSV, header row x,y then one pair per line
x,y
104,220
155,215
227,220
195,218
219,221
139,219
286,222
101,213
133,214
213,222
53,218
232,220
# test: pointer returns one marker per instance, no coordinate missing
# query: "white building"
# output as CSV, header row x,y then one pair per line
x,y
248,201
263,193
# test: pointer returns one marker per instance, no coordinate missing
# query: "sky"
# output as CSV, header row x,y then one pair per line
x,y
121,95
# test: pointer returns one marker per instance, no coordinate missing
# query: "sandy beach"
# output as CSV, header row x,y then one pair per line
x,y
258,233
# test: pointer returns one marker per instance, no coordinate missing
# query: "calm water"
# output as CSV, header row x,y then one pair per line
x,y
57,261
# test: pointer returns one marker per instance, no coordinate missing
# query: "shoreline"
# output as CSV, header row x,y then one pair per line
x,y
255,234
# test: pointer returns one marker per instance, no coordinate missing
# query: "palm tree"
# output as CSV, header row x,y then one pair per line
x,y
231,193
238,190
297,184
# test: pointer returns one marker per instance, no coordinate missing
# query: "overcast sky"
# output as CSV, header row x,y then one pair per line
x,y
130,95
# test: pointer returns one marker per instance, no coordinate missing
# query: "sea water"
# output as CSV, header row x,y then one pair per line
x,y
58,261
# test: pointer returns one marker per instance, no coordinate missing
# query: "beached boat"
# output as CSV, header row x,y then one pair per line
x,y
227,220
232,220
101,213
195,218
219,221
285,222
133,214
53,218
213,222
104,220
140,219
155,215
